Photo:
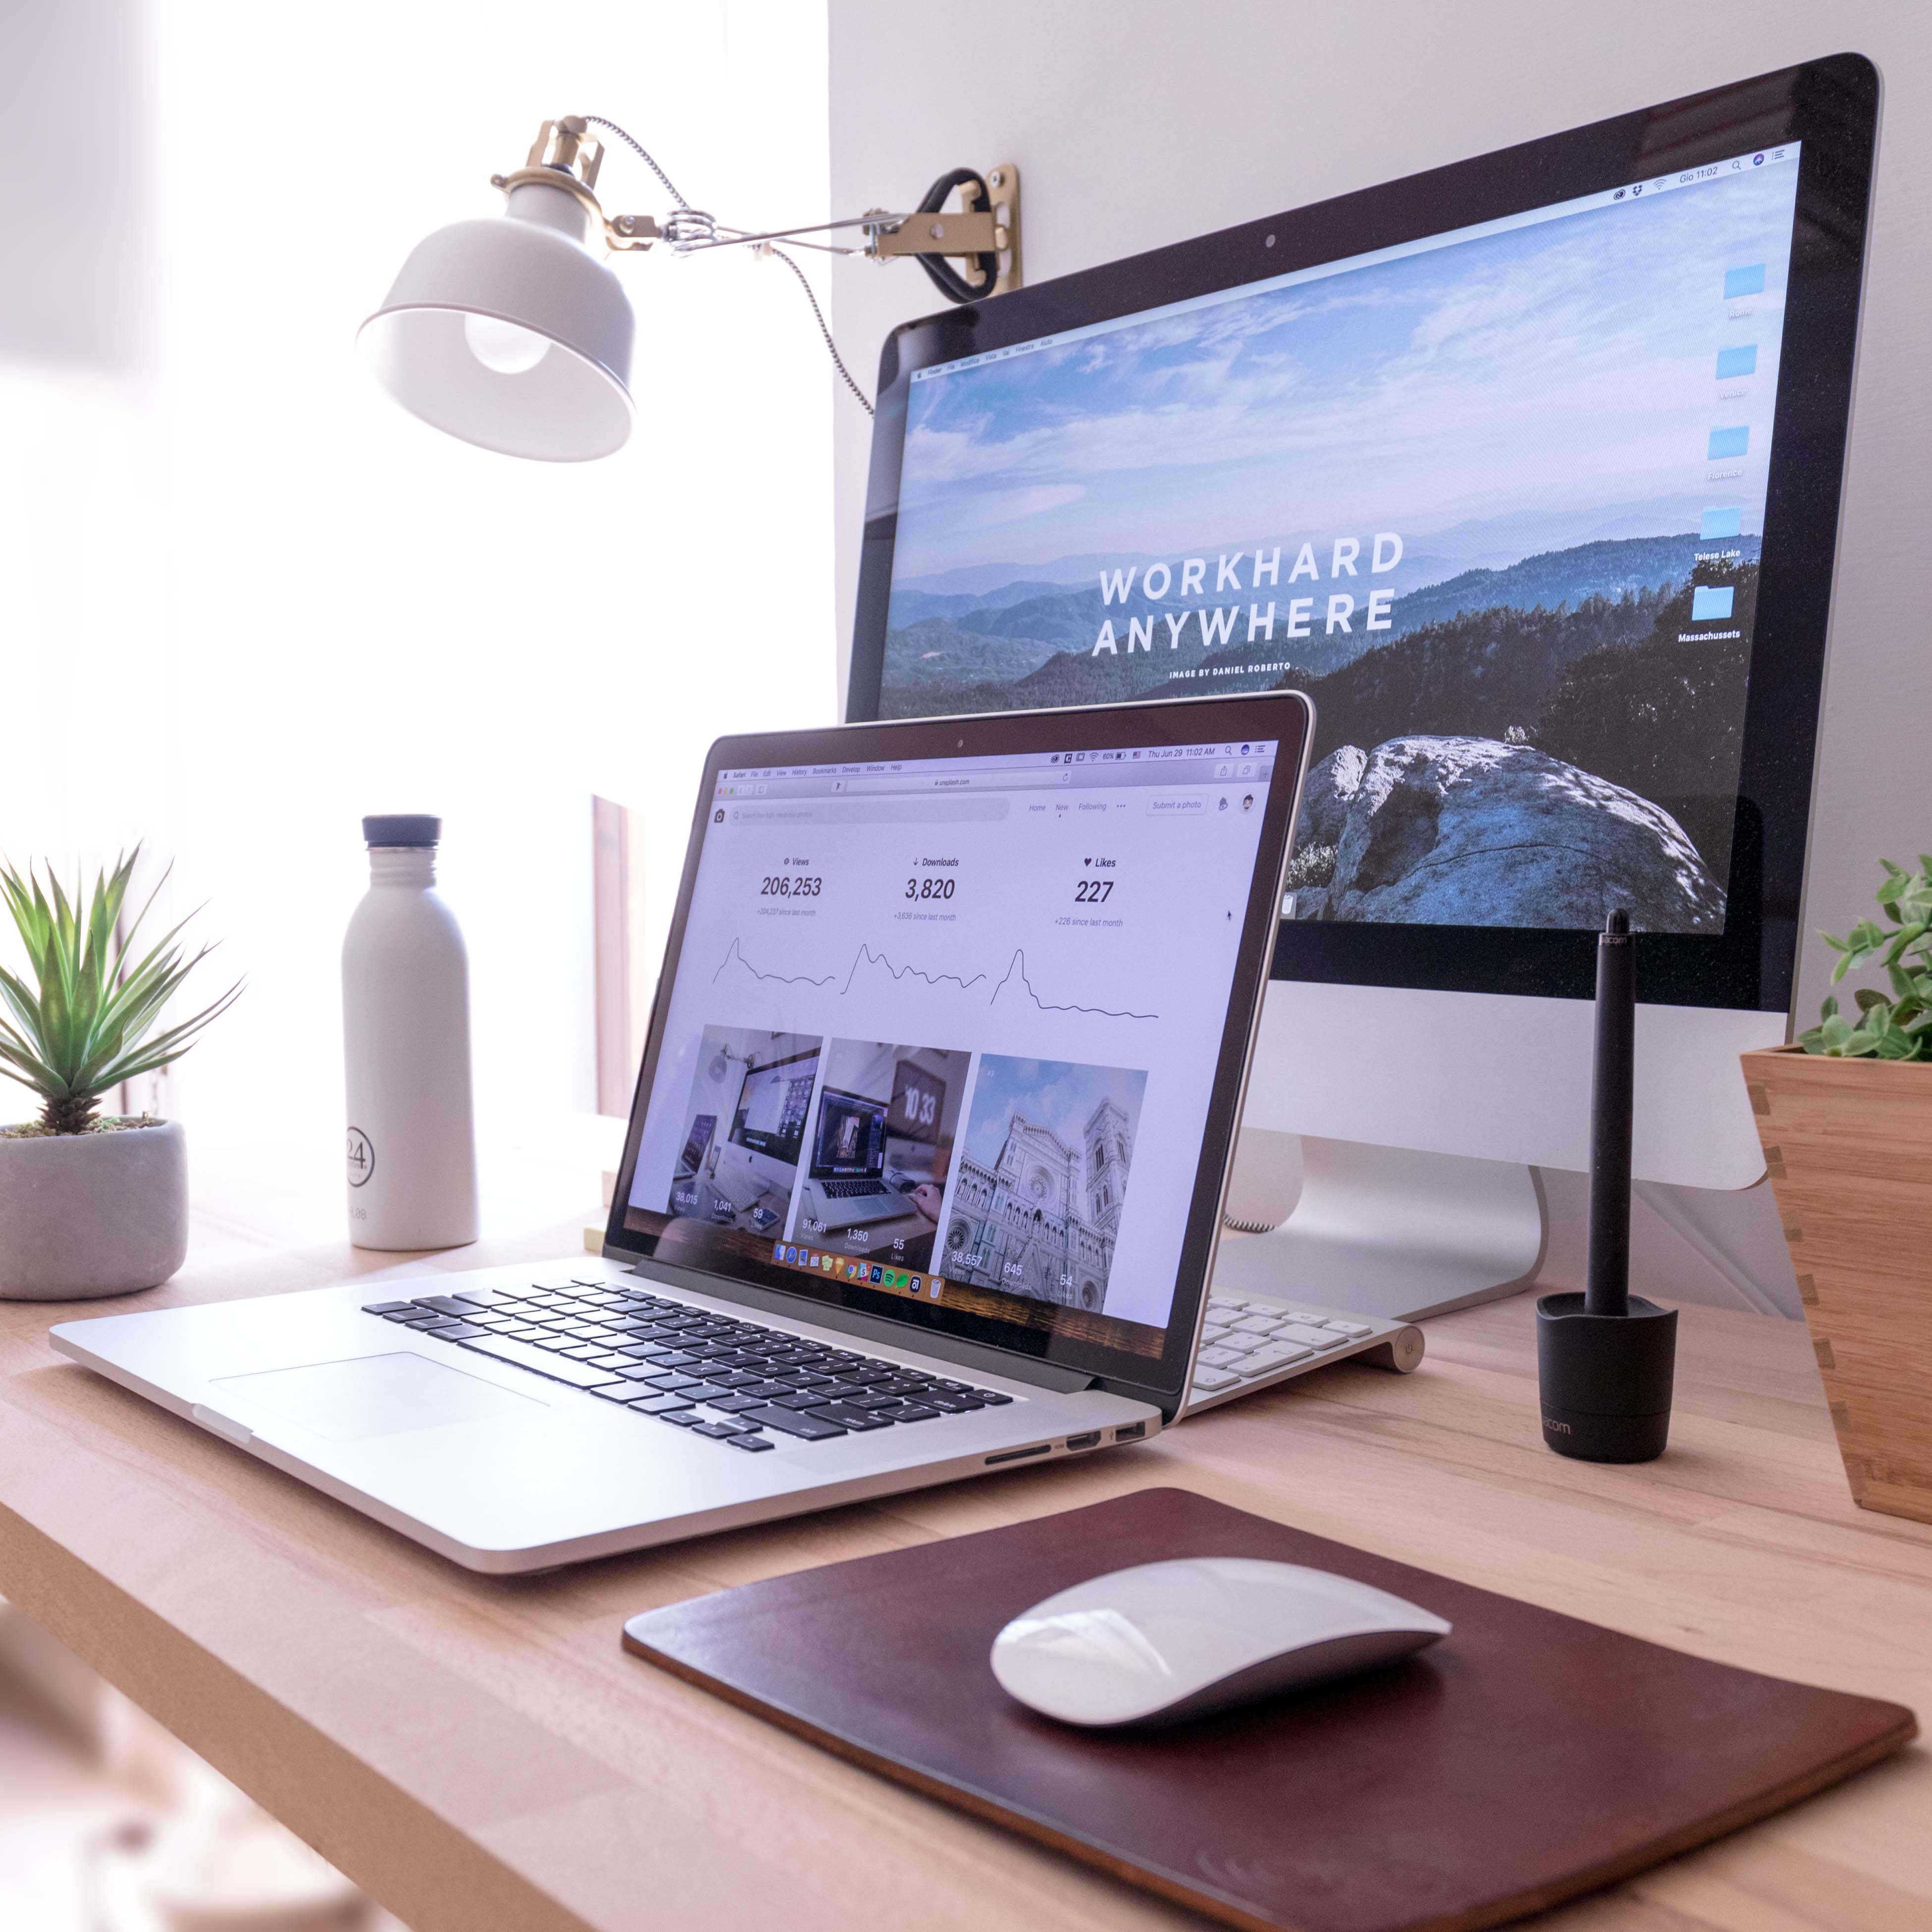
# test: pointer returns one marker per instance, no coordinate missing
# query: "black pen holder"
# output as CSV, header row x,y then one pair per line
x,y
1606,1378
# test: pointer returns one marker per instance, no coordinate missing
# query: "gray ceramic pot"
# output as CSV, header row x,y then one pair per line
x,y
89,1214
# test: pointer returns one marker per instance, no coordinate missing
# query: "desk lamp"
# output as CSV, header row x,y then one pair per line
x,y
509,333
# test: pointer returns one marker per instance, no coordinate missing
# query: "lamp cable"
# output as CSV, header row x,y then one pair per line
x,y
818,314
824,329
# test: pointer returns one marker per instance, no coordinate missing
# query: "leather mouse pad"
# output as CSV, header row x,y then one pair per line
x,y
1526,1758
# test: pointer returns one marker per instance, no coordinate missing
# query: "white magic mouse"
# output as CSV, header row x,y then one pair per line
x,y
1165,1641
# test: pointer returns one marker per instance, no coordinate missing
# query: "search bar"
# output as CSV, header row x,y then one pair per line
x,y
916,811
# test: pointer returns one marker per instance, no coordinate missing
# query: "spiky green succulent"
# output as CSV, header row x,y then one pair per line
x,y
87,1024
1893,1026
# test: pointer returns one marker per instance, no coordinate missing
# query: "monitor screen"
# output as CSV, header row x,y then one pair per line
x,y
1526,468
773,1104
1495,498
998,984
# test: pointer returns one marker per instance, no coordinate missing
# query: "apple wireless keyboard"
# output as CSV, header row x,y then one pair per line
x,y
1249,1341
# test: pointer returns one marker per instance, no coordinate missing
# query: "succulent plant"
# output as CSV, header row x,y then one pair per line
x,y
1893,1026
88,1022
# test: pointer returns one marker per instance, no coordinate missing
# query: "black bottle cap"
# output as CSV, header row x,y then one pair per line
x,y
401,828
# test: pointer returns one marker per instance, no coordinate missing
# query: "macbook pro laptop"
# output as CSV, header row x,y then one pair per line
x,y
1071,913
846,1187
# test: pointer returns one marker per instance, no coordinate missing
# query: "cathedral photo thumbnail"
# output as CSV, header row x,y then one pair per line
x,y
1036,1200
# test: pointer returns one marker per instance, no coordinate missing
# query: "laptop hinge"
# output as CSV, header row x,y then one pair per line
x,y
869,1328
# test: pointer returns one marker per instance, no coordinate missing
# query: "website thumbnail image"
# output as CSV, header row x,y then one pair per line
x,y
915,1169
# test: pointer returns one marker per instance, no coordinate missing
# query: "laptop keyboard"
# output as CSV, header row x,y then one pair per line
x,y
728,1380
850,1190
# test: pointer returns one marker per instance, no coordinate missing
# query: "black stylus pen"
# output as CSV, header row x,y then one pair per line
x,y
1606,1292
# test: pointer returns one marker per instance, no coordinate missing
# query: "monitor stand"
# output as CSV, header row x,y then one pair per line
x,y
1395,1233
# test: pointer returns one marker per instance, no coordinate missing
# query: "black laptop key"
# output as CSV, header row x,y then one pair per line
x,y
718,1432
660,1405
902,1385
804,1378
799,1398
857,1420
673,1381
410,1316
443,1304
812,1428
454,1331
879,1402
390,1308
735,1405
704,1392
479,1297
684,1418
947,1403
753,1443
911,1412
992,1398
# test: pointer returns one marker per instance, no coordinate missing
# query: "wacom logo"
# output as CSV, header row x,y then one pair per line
x,y
1556,1428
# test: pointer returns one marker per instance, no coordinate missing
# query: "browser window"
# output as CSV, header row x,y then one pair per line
x,y
959,1020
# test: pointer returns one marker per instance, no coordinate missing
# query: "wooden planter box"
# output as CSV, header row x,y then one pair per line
x,y
1849,1146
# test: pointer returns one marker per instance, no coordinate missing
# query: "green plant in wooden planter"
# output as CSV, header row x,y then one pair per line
x,y
1893,1026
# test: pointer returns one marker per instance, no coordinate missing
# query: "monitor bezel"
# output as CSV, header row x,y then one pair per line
x,y
1286,717
1830,107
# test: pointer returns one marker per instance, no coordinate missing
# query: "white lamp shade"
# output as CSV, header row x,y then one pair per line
x,y
478,379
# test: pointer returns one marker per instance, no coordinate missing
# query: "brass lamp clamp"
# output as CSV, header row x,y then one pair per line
x,y
983,232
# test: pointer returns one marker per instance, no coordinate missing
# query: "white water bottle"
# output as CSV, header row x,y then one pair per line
x,y
406,1049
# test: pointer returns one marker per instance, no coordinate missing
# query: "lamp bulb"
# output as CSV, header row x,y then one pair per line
x,y
504,347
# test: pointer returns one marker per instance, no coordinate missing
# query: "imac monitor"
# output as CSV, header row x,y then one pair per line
x,y
1526,470
773,1104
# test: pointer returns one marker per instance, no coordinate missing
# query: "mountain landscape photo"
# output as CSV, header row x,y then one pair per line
x,y
1496,502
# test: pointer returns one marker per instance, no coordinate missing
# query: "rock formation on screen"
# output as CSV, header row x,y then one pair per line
x,y
1444,831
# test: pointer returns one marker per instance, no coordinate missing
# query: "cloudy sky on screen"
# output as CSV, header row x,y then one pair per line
x,y
1550,370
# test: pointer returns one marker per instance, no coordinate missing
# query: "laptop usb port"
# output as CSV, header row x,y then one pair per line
x,y
1015,1455
1135,1431
1091,1440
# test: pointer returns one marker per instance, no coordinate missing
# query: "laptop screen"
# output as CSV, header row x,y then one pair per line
x,y
966,1015
851,1138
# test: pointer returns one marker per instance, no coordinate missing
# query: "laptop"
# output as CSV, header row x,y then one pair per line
x,y
845,1187
1049,934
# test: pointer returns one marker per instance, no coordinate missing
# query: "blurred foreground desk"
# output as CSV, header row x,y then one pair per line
x,y
480,1756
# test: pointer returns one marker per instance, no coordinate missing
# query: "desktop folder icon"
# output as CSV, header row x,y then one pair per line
x,y
1730,442
1709,601
1721,523
1739,361
1746,281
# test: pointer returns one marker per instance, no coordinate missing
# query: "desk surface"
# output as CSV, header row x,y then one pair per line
x,y
479,1754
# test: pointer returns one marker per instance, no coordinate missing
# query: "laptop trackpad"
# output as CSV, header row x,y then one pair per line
x,y
369,1395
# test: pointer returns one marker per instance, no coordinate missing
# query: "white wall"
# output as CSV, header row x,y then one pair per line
x,y
326,608
1136,124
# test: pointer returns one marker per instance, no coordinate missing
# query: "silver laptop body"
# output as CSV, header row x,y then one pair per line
x,y
1073,1096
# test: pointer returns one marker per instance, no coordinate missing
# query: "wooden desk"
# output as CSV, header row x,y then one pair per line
x,y
480,1756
